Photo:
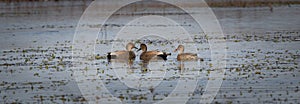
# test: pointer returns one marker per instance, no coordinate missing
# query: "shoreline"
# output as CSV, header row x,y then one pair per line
x,y
211,3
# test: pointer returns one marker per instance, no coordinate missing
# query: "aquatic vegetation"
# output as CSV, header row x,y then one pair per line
x,y
261,67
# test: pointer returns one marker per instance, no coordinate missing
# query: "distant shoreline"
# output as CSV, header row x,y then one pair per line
x,y
211,3
251,3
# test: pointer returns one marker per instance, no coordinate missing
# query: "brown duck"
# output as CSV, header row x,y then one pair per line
x,y
152,55
127,54
185,56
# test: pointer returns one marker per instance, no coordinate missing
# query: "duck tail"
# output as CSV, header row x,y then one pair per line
x,y
163,56
201,59
168,54
109,56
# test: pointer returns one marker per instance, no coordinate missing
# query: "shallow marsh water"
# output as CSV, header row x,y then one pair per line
x,y
262,59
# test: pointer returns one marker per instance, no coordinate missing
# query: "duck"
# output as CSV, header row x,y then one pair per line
x,y
127,54
185,56
151,55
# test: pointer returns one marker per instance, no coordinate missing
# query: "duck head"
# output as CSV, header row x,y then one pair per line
x,y
143,47
130,46
180,49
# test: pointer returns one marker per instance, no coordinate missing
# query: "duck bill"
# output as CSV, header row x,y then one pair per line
x,y
138,49
175,50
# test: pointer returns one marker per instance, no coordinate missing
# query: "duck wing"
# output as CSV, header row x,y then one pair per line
x,y
147,56
187,56
121,55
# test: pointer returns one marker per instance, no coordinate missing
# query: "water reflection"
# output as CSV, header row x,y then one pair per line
x,y
151,81
127,62
185,66
139,81
195,63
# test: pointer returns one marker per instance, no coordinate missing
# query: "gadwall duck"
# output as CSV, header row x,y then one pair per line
x,y
152,55
185,56
127,54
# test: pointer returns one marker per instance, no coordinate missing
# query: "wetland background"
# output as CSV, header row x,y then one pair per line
x,y
262,64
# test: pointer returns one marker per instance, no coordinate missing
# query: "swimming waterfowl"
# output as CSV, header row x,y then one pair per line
x,y
127,54
185,56
151,55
